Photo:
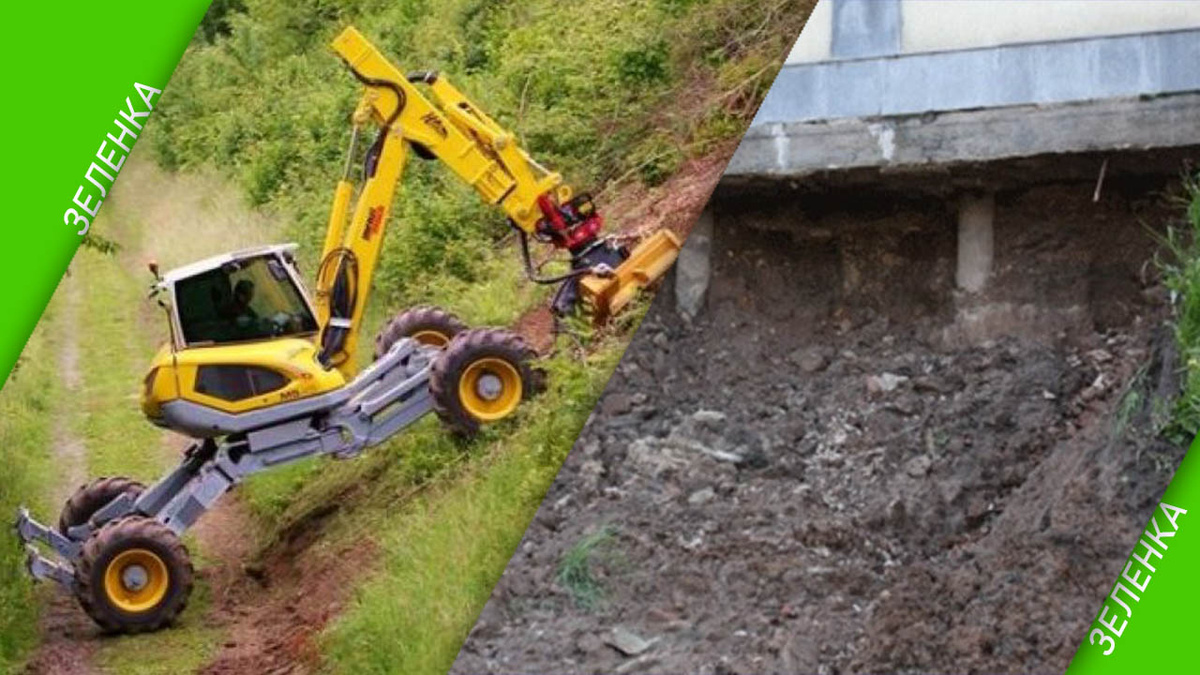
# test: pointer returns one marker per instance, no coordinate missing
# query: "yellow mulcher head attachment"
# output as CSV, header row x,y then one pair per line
x,y
647,263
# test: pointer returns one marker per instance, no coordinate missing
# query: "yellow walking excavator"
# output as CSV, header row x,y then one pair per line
x,y
259,375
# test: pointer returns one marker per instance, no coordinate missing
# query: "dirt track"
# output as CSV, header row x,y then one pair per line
x,y
832,471
266,621
64,630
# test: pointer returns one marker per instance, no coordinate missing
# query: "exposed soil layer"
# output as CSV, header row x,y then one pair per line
x,y
676,204
274,608
844,465
68,639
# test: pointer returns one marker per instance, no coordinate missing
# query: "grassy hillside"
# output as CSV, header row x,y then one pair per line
x,y
597,90
1181,272
604,92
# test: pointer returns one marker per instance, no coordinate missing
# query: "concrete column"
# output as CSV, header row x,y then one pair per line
x,y
976,214
694,267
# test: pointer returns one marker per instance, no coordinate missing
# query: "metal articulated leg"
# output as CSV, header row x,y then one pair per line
x,y
41,567
29,530
195,497
390,395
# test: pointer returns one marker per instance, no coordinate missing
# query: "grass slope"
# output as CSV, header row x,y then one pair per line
x,y
26,405
444,551
150,214
118,332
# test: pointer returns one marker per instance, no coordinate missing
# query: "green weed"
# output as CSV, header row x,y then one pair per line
x,y
575,570
1181,275
1132,402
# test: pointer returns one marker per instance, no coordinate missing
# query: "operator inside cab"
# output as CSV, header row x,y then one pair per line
x,y
238,311
243,300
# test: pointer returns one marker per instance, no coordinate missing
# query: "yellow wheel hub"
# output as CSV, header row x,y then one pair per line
x,y
490,389
432,338
136,580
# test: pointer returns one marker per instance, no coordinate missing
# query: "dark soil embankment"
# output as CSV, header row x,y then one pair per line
x,y
846,466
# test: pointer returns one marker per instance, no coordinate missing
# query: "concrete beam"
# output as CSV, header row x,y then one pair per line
x,y
936,142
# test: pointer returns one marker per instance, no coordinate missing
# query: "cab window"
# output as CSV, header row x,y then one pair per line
x,y
251,299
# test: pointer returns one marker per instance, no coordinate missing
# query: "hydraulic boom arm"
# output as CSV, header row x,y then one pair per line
x,y
480,152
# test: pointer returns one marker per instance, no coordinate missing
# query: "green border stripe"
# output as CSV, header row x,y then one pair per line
x,y
1147,621
68,69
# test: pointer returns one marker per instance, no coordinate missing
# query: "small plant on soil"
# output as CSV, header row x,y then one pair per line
x,y
576,574
1133,401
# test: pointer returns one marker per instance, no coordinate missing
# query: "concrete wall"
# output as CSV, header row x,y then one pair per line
x,y
814,41
957,100
922,83
937,25
841,29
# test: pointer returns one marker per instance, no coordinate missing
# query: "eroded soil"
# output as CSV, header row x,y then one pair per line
x,y
843,465
273,609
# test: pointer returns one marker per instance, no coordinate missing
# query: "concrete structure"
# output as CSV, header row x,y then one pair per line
x,y
976,243
840,29
1051,76
959,99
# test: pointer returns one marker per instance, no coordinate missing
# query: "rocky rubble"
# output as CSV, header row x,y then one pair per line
x,y
899,508
814,490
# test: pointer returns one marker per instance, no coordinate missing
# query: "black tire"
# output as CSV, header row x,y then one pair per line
x,y
94,496
473,353
134,536
428,325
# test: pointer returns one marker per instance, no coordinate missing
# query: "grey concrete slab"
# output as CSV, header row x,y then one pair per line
x,y
1033,73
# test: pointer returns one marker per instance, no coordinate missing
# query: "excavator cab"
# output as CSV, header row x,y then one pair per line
x,y
254,297
242,338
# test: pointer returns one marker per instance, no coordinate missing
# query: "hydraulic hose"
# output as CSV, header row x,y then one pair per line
x,y
343,298
532,274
